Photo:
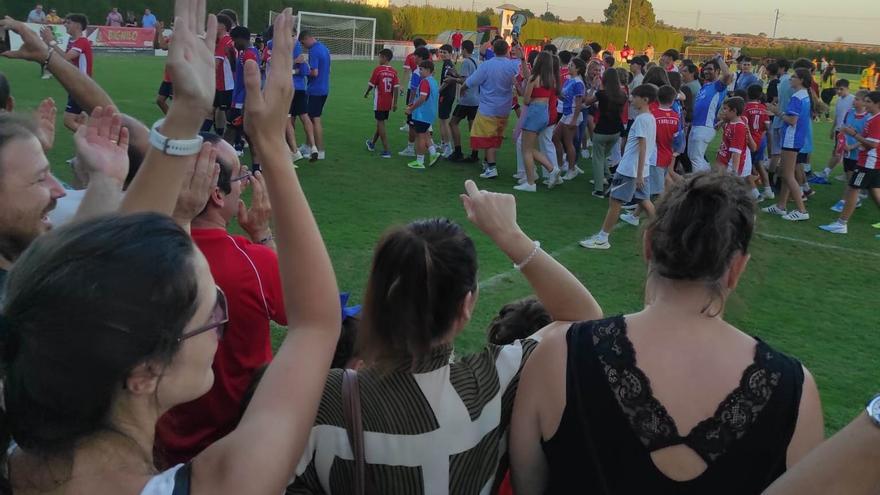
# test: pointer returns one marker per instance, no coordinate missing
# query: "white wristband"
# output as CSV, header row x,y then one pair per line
x,y
174,147
529,258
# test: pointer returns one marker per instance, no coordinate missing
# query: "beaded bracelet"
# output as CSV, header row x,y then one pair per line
x,y
520,266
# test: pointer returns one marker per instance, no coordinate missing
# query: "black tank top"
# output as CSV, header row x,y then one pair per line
x,y
612,423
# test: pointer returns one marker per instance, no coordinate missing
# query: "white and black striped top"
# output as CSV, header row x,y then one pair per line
x,y
437,428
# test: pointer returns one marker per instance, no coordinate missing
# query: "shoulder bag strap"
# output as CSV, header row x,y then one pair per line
x,y
351,409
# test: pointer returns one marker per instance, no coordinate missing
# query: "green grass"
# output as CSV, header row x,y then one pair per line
x,y
812,299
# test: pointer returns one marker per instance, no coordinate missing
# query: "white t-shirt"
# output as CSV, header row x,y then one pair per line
x,y
644,126
66,207
162,483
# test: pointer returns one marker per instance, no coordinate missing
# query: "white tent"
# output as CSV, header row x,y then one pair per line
x,y
568,44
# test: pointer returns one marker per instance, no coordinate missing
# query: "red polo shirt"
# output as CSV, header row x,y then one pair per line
x,y
248,274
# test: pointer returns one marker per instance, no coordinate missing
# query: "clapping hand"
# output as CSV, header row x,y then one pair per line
x,y
191,56
45,119
255,220
102,145
265,111
32,48
199,183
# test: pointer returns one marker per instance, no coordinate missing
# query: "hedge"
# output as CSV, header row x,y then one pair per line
x,y
840,56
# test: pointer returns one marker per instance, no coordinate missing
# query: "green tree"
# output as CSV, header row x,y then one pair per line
x,y
549,17
642,13
485,17
528,13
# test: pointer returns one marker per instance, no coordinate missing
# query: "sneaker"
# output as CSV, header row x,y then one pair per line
x,y
809,193
370,145
404,128
595,242
456,156
385,154
555,179
834,227
304,150
408,151
519,176
859,203
597,194
585,153
570,175
296,156
841,178
415,164
46,76
774,210
796,216
838,207
433,157
630,219
876,225
526,187
489,173
578,169
768,195
818,179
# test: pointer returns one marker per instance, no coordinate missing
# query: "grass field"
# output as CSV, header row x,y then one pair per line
x,y
807,292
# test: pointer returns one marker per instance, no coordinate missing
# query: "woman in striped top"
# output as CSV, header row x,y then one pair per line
x,y
433,425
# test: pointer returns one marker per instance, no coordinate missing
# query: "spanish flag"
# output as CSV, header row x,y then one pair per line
x,y
487,132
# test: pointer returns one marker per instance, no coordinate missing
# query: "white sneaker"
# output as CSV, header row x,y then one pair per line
x,y
570,175
408,151
321,155
404,128
555,178
585,153
304,150
835,227
578,169
756,195
519,175
594,242
774,210
47,76
630,219
489,173
796,216
526,187
296,155
768,194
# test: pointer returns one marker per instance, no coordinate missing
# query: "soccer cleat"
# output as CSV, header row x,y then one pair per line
x,y
595,242
489,173
46,76
841,178
796,216
296,156
578,169
526,187
305,150
630,219
416,165
597,194
408,151
774,210
834,227
370,145
433,157
385,154
838,207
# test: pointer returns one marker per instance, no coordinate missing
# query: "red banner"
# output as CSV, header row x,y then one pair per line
x,y
121,37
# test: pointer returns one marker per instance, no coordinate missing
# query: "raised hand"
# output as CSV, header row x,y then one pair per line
x,y
492,213
45,118
255,220
191,55
102,145
33,48
199,183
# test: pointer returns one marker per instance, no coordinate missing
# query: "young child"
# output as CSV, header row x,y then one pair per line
x,y
448,85
241,39
844,104
468,103
867,173
411,69
855,118
385,83
758,121
539,95
420,55
731,155
422,113
573,99
630,180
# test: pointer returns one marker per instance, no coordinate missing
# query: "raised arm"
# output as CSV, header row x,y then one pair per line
x,y
564,296
102,150
726,76
260,455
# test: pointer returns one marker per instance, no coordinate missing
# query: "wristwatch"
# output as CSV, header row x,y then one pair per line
x,y
873,410
174,147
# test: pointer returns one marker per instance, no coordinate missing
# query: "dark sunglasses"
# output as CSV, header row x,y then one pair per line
x,y
219,319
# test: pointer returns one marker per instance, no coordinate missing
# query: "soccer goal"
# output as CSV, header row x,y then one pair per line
x,y
347,37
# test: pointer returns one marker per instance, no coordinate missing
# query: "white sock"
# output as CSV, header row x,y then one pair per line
x,y
807,168
602,235
768,189
420,159
432,150
827,171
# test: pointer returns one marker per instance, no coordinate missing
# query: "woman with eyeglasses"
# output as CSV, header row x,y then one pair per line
x,y
109,323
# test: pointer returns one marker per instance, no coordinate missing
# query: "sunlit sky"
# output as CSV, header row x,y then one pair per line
x,y
826,20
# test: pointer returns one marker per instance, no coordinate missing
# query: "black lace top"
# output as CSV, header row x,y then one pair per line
x,y
612,423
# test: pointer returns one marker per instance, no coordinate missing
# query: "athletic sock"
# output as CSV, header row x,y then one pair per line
x,y
207,125
602,235
432,149
420,159
490,164
827,172
807,168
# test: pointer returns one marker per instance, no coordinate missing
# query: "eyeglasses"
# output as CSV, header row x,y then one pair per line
x,y
219,319
244,177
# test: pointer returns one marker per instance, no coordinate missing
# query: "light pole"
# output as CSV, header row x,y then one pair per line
x,y
628,15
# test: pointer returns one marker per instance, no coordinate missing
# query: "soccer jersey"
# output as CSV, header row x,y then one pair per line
x,y
783,94
319,59
302,69
427,111
225,78
755,114
734,140
571,90
238,92
456,40
448,69
795,136
708,103
843,106
667,121
857,122
384,82
644,126
871,132
410,65
83,60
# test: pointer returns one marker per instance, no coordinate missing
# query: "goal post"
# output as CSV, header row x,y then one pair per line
x,y
347,37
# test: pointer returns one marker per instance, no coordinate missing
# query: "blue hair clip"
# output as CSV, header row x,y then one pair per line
x,y
348,311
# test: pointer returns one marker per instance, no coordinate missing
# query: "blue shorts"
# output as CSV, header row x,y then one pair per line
x,y
656,180
760,154
537,117
624,189
72,106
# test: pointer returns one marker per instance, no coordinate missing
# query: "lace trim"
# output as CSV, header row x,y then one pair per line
x,y
650,420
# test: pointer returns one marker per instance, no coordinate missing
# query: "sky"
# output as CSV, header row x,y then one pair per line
x,y
810,19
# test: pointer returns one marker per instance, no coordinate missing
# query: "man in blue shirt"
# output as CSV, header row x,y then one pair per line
x,y
299,106
318,88
716,78
149,20
495,78
745,77
783,91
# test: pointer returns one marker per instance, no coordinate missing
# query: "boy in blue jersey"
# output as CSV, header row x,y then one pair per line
x,y
716,77
420,55
855,118
796,124
423,112
241,38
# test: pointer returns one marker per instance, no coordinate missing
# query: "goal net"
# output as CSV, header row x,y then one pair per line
x,y
700,54
347,37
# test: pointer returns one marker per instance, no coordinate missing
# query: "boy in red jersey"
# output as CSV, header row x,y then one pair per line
x,y
166,89
224,60
667,129
731,155
411,68
386,85
758,120
79,53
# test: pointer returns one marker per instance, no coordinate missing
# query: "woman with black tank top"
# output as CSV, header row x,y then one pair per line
x,y
672,399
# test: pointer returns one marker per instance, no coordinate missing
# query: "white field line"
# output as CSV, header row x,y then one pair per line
x,y
819,244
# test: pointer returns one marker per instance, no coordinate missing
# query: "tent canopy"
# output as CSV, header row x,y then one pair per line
x,y
568,43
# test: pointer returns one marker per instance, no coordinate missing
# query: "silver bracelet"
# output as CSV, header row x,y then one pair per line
x,y
520,266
